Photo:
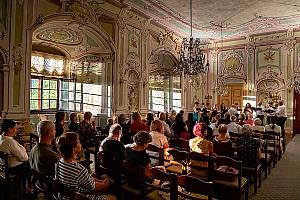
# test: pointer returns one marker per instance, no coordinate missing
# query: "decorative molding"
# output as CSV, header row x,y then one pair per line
x,y
289,45
17,56
2,35
63,36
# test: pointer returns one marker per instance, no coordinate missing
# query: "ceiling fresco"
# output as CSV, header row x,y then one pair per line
x,y
239,18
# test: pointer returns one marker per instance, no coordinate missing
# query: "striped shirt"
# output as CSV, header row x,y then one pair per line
x,y
77,177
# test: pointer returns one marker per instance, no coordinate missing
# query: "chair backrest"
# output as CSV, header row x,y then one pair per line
x,y
42,181
221,161
200,157
232,134
164,176
178,156
223,148
60,189
135,175
194,185
180,144
247,155
158,150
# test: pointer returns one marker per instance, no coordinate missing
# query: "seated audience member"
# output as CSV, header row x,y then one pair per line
x,y
137,124
167,131
42,158
179,128
233,126
125,138
209,130
257,126
59,123
156,132
73,123
249,119
190,124
72,174
111,145
87,131
232,110
222,145
136,153
199,143
18,159
242,119
227,118
273,126
247,141
110,122
149,118
172,116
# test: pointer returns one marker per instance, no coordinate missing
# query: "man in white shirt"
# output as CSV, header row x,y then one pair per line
x,y
281,115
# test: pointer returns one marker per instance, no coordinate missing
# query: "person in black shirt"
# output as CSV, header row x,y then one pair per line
x,y
73,124
111,145
59,123
136,154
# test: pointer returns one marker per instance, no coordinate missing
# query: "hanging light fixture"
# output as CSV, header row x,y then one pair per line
x,y
191,56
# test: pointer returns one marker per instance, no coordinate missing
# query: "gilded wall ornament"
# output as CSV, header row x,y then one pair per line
x,y
61,36
17,56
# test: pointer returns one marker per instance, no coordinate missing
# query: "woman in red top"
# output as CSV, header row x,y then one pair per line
x,y
137,124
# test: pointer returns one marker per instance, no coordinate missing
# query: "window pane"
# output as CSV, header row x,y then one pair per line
x,y
45,104
35,83
64,105
64,85
53,94
176,95
78,86
71,96
71,106
78,107
34,93
92,89
78,97
64,95
34,105
53,84
45,84
53,104
37,62
92,99
71,86
45,94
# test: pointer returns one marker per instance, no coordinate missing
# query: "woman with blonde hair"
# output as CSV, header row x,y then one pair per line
x,y
156,132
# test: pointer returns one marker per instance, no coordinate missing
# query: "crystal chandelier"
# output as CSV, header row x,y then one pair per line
x,y
191,56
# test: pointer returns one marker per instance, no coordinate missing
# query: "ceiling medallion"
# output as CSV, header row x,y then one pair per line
x,y
61,36
191,55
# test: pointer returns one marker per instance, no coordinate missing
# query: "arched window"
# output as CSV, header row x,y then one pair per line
x,y
164,86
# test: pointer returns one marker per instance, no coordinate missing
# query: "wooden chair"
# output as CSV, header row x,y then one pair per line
x,y
250,171
194,188
266,159
277,143
238,135
94,149
180,144
163,177
159,151
136,185
271,147
60,189
42,184
226,182
201,165
112,168
4,176
179,157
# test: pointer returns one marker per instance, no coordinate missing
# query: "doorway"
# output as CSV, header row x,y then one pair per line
x,y
234,95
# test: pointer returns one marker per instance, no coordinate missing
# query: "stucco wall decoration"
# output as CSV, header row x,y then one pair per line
x,y
268,57
232,65
134,36
61,36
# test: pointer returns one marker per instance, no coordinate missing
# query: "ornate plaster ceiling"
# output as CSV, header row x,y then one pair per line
x,y
61,36
239,18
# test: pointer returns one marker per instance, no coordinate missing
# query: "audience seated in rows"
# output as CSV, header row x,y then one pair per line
x,y
111,145
42,157
190,124
18,163
72,174
126,137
